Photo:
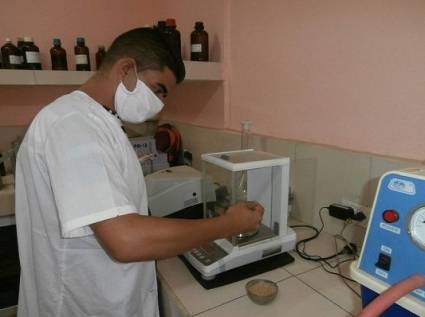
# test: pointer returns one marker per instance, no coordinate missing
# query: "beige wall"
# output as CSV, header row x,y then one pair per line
x,y
343,73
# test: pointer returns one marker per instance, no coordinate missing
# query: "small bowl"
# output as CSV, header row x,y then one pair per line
x,y
261,291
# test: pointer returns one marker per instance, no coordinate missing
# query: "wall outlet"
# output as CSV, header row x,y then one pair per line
x,y
357,208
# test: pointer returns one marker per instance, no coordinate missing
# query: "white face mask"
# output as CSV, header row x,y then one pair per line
x,y
138,105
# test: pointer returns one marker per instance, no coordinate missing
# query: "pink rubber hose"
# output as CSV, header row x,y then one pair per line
x,y
391,295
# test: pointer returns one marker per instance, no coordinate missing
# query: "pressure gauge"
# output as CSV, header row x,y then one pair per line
x,y
417,226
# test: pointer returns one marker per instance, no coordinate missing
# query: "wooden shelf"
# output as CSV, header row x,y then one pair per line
x,y
195,71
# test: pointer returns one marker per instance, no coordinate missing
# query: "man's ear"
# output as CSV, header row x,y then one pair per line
x,y
123,66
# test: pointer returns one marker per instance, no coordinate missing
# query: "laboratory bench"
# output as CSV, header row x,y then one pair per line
x,y
305,289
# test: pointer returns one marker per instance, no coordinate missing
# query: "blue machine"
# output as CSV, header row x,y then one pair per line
x,y
394,246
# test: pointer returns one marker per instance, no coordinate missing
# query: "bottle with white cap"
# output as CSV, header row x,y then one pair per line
x,y
10,55
31,54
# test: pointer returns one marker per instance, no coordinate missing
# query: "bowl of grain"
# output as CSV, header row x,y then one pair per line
x,y
261,291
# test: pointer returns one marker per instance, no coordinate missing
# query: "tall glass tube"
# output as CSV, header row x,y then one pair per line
x,y
242,189
245,134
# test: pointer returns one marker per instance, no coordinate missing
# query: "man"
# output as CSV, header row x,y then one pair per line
x,y
86,242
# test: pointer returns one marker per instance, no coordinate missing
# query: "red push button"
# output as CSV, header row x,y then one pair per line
x,y
390,216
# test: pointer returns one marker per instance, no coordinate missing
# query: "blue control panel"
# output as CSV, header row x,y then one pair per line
x,y
393,248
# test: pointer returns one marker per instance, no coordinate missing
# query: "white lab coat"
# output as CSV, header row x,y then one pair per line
x,y
76,167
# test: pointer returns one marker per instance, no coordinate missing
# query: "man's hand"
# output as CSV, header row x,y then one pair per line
x,y
245,216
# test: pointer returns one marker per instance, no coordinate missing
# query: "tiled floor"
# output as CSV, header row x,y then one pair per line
x,y
305,289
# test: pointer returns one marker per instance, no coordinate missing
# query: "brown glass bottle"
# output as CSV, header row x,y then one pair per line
x,y
100,54
10,56
58,56
20,45
161,26
199,43
173,37
82,55
31,54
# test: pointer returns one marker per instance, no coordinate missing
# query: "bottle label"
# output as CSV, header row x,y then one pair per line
x,y
33,57
81,59
196,48
14,60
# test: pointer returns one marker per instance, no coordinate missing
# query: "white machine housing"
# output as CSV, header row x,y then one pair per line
x,y
173,189
267,181
390,250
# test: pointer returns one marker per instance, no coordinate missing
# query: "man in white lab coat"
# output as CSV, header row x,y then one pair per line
x,y
86,242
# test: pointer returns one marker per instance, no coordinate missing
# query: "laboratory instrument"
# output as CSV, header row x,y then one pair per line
x,y
267,181
173,190
394,246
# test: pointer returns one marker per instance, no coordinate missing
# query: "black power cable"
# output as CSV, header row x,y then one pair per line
x,y
348,249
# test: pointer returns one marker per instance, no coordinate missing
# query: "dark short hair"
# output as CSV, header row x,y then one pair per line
x,y
149,48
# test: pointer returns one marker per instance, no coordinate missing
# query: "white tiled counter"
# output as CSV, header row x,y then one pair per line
x,y
304,290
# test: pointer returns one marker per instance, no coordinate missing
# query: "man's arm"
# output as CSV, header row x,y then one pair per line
x,y
133,237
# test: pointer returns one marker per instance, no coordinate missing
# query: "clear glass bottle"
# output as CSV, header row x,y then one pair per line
x,y
58,56
31,54
199,43
82,55
10,55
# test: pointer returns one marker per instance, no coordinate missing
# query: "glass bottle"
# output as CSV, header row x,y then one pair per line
x,y
58,56
31,54
161,26
173,36
10,56
199,43
82,55
100,54
20,45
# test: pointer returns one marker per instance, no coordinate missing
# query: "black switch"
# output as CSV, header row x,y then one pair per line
x,y
384,262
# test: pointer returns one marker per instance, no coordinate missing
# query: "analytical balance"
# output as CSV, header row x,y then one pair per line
x,y
245,175
394,246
